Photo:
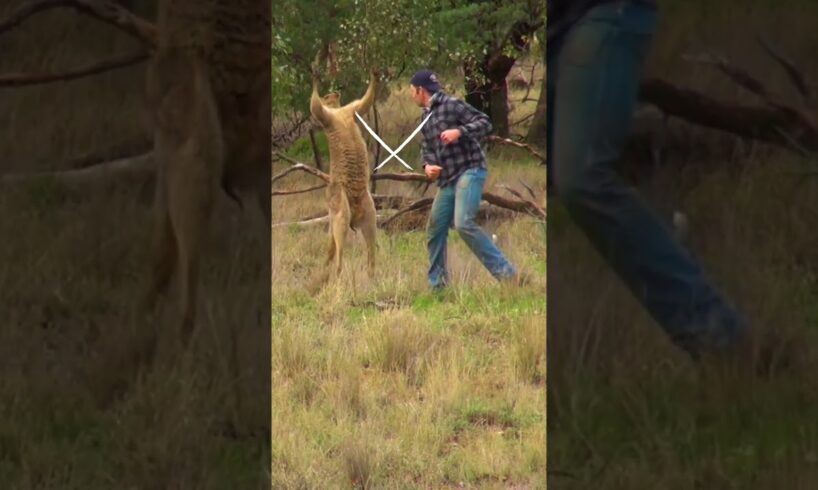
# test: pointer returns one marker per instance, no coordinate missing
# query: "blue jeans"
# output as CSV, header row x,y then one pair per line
x,y
459,203
593,79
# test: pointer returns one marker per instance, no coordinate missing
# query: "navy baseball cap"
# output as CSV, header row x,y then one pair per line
x,y
426,79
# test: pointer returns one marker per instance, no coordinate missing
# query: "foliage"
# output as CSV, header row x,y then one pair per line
x,y
374,34
394,37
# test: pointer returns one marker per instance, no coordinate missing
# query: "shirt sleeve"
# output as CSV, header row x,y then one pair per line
x,y
472,122
427,153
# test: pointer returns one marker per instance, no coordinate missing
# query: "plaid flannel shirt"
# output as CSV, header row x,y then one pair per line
x,y
455,158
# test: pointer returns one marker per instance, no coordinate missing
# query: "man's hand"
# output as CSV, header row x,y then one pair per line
x,y
432,171
450,136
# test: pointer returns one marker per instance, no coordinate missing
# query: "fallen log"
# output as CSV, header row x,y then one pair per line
x,y
419,204
775,122
136,167
522,204
25,79
407,222
298,191
777,126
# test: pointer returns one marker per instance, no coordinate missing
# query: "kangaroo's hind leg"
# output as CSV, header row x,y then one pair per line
x,y
339,215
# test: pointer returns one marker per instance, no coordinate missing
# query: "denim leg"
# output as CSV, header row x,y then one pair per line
x,y
437,232
469,190
595,75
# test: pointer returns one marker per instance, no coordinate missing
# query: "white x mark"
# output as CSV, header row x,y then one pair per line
x,y
392,154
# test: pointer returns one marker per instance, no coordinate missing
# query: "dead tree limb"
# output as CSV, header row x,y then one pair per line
x,y
522,205
754,122
777,122
796,77
528,207
298,191
117,151
737,75
522,119
530,81
130,167
298,166
419,204
528,188
402,177
21,79
304,222
391,202
104,10
286,129
528,148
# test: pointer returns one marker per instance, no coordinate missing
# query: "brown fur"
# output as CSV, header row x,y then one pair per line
x,y
208,92
349,201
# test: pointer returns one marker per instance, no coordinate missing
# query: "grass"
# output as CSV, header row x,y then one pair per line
x,y
626,410
72,263
381,383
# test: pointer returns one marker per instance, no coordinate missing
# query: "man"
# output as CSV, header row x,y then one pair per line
x,y
452,154
596,51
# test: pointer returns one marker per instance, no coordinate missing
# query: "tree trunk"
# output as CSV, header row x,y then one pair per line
x,y
487,91
538,132
499,66
476,93
498,107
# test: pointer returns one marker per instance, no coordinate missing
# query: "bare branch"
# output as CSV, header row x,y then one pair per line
x,y
513,191
523,205
21,79
26,11
104,10
298,191
737,75
533,205
506,141
140,165
528,188
123,149
519,206
305,222
766,124
796,77
419,204
523,119
298,166
287,129
744,79
390,202
402,177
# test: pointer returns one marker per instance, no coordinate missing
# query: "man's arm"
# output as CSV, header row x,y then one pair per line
x,y
472,122
427,153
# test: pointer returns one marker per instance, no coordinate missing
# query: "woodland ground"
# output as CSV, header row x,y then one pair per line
x,y
383,382
626,410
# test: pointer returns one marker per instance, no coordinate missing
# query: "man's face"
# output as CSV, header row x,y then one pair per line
x,y
418,96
